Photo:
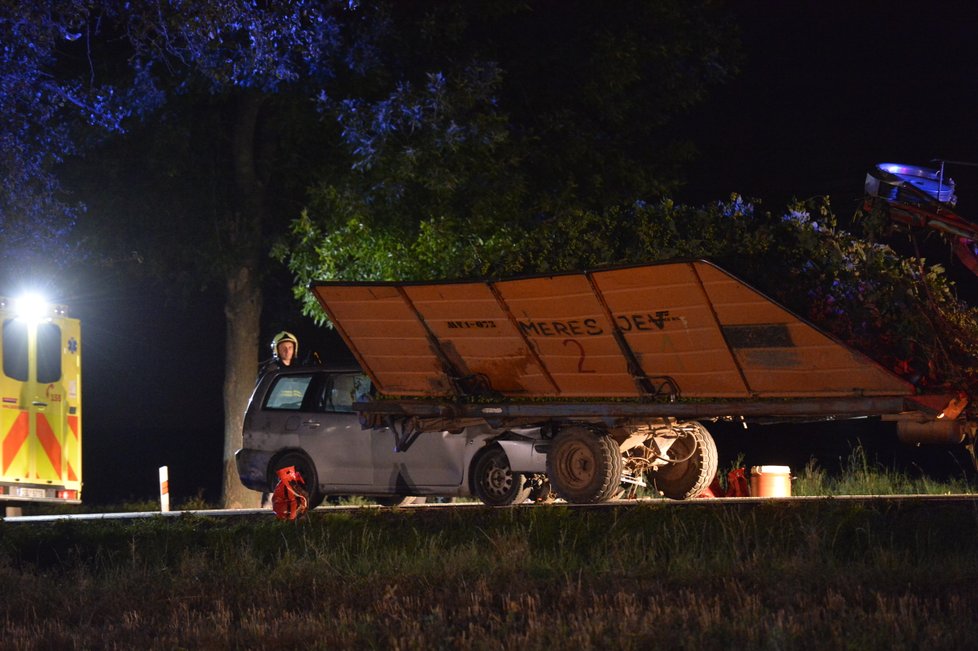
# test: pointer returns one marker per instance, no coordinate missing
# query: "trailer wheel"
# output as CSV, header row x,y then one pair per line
x,y
305,467
584,467
494,482
696,468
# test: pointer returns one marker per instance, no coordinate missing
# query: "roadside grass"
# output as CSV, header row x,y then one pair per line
x,y
655,575
749,575
861,476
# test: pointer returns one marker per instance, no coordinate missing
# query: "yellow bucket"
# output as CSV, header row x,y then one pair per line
x,y
770,481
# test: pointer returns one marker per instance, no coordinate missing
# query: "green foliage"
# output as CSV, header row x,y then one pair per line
x,y
480,122
898,310
578,98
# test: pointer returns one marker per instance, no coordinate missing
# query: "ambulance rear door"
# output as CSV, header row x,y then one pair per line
x,y
40,409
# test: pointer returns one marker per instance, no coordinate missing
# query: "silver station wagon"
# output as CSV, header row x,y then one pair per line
x,y
308,418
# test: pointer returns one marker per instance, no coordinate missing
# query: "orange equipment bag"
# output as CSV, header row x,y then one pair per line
x,y
737,485
290,500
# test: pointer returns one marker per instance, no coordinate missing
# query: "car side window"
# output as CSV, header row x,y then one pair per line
x,y
341,391
288,392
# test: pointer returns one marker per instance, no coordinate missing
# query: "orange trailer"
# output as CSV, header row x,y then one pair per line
x,y
619,364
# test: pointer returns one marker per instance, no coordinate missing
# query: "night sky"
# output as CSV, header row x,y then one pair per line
x,y
831,88
827,90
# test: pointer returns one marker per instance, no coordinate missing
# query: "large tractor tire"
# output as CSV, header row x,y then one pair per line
x,y
695,465
584,467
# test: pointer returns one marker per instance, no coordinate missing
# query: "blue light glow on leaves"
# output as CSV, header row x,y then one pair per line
x,y
61,73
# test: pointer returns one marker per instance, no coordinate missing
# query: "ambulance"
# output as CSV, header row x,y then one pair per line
x,y
40,403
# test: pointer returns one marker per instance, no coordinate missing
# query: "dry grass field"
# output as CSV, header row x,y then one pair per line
x,y
823,574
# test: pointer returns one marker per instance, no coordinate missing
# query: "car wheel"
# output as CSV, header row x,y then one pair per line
x,y
584,467
306,469
494,482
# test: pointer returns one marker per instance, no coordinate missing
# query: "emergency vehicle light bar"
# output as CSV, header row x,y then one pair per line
x,y
31,306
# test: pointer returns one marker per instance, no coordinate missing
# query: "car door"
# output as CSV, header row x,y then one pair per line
x,y
316,411
302,416
433,459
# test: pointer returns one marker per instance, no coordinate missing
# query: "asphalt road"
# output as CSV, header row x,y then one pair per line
x,y
712,502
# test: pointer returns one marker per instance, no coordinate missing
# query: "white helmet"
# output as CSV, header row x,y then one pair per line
x,y
284,336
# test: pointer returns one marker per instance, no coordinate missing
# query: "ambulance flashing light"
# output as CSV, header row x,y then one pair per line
x,y
33,307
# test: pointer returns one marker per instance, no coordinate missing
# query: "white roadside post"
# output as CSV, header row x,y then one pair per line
x,y
164,490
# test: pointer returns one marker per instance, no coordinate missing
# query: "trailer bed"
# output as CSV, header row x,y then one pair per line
x,y
684,338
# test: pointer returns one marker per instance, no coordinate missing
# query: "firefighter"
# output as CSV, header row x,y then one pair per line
x,y
285,348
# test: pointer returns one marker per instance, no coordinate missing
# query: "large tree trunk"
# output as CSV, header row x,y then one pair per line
x,y
244,296
243,311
